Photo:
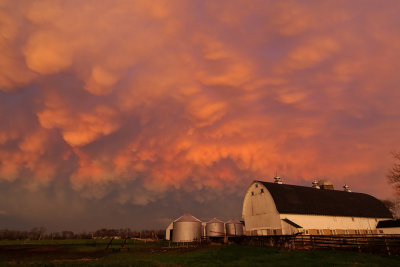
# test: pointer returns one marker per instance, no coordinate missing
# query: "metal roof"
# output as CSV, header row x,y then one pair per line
x,y
187,218
291,223
215,220
294,199
233,221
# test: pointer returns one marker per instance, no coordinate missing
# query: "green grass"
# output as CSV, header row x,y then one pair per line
x,y
92,253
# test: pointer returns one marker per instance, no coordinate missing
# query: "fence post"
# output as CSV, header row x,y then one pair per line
x,y
271,242
312,242
387,247
358,244
294,243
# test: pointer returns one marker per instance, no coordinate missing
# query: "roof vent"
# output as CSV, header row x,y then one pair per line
x,y
327,185
277,179
346,188
315,184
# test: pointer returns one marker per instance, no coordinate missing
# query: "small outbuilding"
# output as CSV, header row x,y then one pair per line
x,y
389,227
169,231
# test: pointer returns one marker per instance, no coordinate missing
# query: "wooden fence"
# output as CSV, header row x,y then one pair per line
x,y
389,245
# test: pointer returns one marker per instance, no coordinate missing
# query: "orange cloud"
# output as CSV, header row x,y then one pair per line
x,y
175,95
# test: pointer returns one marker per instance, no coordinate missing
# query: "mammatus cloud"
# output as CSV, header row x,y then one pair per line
x,y
147,97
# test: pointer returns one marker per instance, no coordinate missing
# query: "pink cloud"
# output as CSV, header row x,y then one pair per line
x,y
178,95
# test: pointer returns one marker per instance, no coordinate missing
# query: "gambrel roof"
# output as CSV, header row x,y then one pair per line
x,y
294,199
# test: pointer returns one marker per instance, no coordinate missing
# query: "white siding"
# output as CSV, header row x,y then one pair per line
x,y
389,231
332,222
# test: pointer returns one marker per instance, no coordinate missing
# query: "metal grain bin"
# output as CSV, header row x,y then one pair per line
x,y
234,228
215,227
186,229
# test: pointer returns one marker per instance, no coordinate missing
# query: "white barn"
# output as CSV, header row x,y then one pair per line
x,y
281,209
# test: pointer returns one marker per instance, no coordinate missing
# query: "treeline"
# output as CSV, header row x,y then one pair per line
x,y
39,233
122,233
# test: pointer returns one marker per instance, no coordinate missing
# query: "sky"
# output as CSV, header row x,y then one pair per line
x,y
130,113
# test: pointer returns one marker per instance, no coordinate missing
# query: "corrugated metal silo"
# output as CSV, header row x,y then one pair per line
x,y
215,227
234,228
186,229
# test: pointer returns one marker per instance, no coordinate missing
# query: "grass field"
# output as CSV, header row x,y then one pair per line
x,y
92,253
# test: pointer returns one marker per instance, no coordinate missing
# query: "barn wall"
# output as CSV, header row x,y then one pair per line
x,y
259,211
390,231
332,222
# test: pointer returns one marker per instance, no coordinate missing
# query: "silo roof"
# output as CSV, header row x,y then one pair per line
x,y
234,221
187,218
294,199
215,220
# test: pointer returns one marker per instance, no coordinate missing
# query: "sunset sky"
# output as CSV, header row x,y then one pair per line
x,y
131,113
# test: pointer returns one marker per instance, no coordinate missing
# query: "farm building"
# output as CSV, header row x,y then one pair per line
x,y
276,209
389,227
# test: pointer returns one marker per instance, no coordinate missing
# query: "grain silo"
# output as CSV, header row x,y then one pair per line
x,y
234,228
186,229
215,228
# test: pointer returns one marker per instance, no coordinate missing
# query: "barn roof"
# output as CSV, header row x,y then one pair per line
x,y
296,199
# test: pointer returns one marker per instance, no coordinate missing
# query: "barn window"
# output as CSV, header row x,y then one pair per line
x,y
306,232
256,185
252,193
262,190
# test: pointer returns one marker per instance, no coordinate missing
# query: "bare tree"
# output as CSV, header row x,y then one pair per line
x,y
391,205
394,174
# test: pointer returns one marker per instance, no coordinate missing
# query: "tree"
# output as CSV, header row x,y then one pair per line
x,y
394,174
391,205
